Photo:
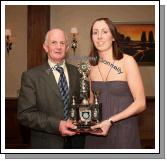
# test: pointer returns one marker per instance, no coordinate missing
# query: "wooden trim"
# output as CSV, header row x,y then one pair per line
x,y
150,98
16,135
147,124
38,25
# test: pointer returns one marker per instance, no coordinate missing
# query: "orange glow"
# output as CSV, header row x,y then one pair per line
x,y
134,31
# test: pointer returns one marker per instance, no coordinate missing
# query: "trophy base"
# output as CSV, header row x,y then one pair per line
x,y
86,129
83,128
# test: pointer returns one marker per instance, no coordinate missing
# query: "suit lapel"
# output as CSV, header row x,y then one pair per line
x,y
50,80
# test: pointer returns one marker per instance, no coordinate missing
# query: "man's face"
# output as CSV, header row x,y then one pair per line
x,y
56,45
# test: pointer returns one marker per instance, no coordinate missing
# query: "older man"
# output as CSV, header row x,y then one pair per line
x,y
45,97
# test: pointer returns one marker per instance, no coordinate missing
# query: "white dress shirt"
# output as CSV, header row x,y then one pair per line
x,y
56,73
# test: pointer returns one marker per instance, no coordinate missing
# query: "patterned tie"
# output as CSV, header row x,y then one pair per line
x,y
63,90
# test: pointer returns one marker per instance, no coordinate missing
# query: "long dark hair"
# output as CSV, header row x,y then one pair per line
x,y
117,54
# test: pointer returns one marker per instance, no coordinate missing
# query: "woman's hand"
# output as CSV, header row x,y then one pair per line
x,y
101,128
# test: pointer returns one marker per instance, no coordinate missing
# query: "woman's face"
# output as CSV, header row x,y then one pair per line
x,y
101,36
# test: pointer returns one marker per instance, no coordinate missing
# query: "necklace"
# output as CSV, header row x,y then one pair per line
x,y
107,73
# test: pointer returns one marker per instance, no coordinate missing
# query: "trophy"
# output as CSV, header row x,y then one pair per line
x,y
83,114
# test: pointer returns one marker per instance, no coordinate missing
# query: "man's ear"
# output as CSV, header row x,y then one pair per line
x,y
67,48
45,46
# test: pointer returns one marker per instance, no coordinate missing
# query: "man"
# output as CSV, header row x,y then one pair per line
x,y
45,97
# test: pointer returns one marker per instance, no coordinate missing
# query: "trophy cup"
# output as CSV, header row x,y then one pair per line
x,y
83,114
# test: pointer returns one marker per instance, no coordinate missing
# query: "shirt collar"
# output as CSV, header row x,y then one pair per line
x,y
52,64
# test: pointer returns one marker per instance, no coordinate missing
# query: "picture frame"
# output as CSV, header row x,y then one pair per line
x,y
138,40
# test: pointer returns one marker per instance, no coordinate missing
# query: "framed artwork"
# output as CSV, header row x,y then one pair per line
x,y
138,41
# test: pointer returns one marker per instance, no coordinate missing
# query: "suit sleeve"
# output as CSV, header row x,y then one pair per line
x,y
28,113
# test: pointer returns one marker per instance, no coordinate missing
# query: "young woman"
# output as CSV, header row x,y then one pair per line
x,y
116,76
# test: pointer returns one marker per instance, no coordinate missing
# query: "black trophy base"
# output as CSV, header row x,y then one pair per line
x,y
83,128
86,129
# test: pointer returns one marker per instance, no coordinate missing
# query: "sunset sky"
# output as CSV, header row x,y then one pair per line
x,y
135,30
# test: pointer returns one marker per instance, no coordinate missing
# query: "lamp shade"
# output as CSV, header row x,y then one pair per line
x,y
74,30
8,32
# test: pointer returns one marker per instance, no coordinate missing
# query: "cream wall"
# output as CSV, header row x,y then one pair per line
x,y
148,76
82,17
16,60
66,17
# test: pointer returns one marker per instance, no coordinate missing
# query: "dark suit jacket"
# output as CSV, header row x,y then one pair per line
x,y
40,106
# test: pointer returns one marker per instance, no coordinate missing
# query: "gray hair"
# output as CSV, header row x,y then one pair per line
x,y
47,34
46,38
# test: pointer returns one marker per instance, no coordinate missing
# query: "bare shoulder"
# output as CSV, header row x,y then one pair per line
x,y
129,60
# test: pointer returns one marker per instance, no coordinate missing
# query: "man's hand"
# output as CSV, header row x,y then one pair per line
x,y
66,128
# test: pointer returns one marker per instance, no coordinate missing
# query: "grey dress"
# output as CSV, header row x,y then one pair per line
x,y
115,96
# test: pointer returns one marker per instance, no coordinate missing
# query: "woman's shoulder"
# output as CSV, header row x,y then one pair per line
x,y
130,63
128,59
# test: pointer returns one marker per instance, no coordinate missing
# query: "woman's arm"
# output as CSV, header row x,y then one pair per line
x,y
136,87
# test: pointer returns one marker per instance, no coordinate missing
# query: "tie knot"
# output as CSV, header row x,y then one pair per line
x,y
60,69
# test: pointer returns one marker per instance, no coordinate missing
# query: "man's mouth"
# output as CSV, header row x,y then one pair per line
x,y
58,52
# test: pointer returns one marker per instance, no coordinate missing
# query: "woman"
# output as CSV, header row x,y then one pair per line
x,y
117,78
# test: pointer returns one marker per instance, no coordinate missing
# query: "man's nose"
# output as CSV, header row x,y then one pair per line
x,y
58,46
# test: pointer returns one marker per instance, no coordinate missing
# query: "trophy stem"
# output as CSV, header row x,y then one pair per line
x,y
85,115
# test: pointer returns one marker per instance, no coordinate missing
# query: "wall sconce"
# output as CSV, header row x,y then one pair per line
x,y
8,38
74,32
